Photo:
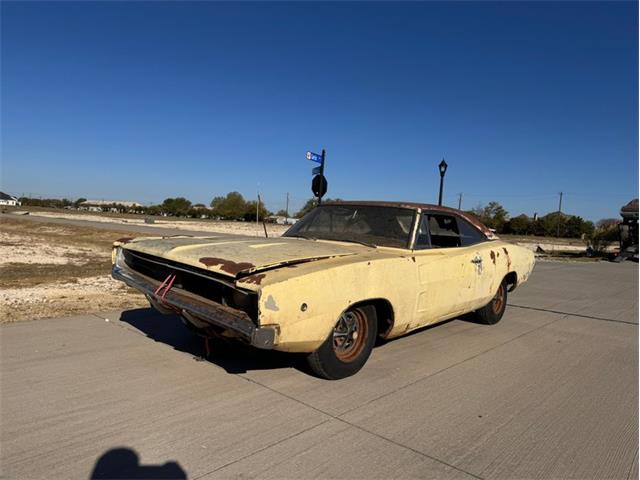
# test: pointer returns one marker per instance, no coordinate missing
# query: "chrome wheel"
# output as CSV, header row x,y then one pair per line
x,y
350,334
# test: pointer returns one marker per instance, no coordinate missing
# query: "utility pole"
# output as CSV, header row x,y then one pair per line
x,y
287,209
321,175
560,204
258,213
460,201
559,216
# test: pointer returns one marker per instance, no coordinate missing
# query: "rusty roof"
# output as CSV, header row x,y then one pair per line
x,y
419,206
632,206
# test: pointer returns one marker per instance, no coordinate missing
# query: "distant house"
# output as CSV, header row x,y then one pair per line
x,y
281,220
8,200
114,206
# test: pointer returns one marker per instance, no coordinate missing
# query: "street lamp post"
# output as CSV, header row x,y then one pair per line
x,y
443,169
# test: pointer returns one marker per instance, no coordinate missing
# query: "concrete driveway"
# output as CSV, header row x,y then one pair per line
x,y
550,392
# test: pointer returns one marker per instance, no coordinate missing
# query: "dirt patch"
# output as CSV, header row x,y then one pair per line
x,y
49,271
56,299
29,249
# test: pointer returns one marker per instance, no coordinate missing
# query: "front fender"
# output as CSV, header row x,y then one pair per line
x,y
306,307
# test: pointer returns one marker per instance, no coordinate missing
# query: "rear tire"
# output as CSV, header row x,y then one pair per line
x,y
492,313
349,345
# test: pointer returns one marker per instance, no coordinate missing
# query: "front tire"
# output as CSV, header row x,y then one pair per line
x,y
349,345
492,313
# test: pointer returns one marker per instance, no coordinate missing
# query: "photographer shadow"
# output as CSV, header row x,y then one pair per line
x,y
124,463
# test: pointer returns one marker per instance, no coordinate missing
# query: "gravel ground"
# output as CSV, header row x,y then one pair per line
x,y
90,294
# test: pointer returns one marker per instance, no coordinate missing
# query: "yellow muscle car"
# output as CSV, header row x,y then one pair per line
x,y
345,274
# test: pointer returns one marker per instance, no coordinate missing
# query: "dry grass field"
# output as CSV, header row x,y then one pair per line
x,y
50,270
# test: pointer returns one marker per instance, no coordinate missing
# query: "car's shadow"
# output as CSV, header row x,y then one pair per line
x,y
234,357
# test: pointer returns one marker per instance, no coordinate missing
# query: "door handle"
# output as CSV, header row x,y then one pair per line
x,y
477,260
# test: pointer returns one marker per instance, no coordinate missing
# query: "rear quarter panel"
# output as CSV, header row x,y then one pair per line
x,y
499,259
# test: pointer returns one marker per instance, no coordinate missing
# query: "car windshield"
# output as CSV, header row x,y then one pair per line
x,y
366,224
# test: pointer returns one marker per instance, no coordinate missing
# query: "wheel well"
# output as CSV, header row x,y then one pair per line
x,y
511,279
384,314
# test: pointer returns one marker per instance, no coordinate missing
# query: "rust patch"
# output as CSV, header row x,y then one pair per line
x,y
414,259
506,252
493,256
226,265
124,239
255,279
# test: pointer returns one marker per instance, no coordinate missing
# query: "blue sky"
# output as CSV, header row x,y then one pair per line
x,y
142,101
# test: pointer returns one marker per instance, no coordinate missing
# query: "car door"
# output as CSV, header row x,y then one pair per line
x,y
447,270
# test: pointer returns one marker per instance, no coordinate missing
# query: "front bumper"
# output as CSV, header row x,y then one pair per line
x,y
188,304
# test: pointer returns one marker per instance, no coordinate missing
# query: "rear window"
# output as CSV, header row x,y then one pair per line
x,y
443,230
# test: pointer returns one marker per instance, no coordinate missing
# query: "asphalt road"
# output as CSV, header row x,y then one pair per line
x,y
549,392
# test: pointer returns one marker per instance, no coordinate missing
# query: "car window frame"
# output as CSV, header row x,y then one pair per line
x,y
458,219
420,216
483,237
410,237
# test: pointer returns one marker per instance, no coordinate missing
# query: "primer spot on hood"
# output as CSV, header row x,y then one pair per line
x,y
270,304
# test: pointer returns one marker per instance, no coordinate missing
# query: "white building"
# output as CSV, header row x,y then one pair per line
x,y
114,206
8,200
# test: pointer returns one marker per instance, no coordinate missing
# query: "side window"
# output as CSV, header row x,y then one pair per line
x,y
443,230
469,235
422,237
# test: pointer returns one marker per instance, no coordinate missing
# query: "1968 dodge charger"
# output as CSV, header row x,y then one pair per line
x,y
342,276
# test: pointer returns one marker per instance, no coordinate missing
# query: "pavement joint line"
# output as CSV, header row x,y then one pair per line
x,y
631,466
568,314
337,418
266,447
423,454
448,367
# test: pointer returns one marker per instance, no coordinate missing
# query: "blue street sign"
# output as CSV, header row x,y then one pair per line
x,y
316,170
314,157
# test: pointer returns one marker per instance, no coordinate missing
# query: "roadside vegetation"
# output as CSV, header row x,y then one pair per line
x,y
559,226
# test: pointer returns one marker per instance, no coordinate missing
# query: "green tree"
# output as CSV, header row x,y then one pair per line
x,y
178,206
602,237
281,213
520,225
215,205
232,207
553,224
250,211
79,201
493,215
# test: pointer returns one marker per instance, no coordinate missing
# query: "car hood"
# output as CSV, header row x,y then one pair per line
x,y
237,256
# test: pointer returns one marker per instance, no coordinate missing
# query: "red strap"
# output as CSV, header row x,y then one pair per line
x,y
166,290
